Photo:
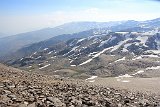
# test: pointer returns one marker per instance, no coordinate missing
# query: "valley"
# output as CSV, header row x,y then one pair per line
x,y
116,66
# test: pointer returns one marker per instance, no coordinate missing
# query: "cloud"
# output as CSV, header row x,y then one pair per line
x,y
24,23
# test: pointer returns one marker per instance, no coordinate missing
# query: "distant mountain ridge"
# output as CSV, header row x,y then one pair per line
x,y
13,43
2,35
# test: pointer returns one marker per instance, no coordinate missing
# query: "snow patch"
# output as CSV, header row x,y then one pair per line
x,y
49,52
73,49
124,58
153,68
152,56
125,76
92,81
45,66
119,45
125,47
125,50
138,72
40,64
71,61
89,60
38,57
122,33
96,55
154,51
143,40
112,55
92,77
152,32
106,41
122,78
45,49
56,70
29,66
80,40
21,59
91,54
125,81
34,53
136,58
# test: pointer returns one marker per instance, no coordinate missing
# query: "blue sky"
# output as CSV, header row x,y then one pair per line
x,y
17,16
17,7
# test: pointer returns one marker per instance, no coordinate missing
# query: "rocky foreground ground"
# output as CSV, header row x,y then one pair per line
x,y
23,89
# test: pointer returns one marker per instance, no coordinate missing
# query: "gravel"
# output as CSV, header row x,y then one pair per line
x,y
23,89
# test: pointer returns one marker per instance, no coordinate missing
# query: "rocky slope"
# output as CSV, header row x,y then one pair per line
x,y
22,89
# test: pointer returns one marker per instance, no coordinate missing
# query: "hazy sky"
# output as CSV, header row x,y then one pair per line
x,y
17,16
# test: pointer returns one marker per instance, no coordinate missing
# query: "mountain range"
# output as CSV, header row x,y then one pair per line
x,y
125,47
13,43
102,53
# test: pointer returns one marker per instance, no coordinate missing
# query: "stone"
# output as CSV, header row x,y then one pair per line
x,y
19,100
11,86
32,105
7,92
144,102
5,98
22,105
36,90
25,102
56,102
119,105
126,101
12,96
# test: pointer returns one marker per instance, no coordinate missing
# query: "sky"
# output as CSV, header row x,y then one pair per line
x,y
18,16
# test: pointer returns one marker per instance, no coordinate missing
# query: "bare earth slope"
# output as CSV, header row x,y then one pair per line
x,y
23,89
145,85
